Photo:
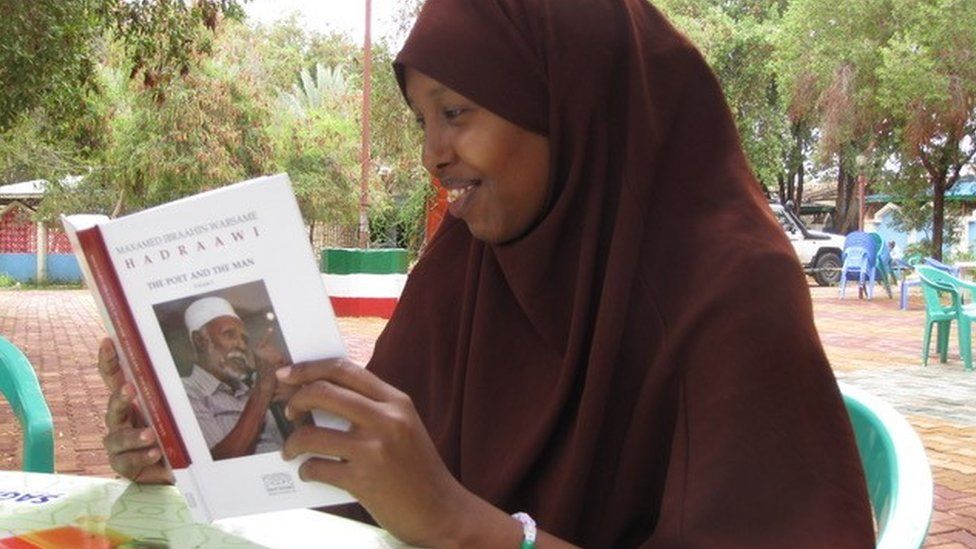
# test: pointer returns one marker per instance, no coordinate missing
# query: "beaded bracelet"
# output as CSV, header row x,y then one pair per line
x,y
528,530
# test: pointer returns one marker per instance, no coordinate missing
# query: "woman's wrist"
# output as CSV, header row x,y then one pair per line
x,y
476,523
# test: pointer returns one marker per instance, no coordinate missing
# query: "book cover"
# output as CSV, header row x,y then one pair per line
x,y
200,295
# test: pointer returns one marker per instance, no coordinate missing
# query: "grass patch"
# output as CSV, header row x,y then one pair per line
x,y
8,282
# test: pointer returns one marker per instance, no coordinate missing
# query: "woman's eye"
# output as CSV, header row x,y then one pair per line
x,y
451,114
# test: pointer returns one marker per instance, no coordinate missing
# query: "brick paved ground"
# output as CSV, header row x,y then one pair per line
x,y
876,346
870,344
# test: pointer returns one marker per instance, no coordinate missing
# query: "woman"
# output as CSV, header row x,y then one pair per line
x,y
610,333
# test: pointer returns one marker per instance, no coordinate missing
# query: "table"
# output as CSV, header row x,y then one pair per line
x,y
55,510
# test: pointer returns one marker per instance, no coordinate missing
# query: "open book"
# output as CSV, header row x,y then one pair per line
x,y
200,296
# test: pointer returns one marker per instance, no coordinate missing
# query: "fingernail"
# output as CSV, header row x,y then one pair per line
x,y
283,372
145,435
127,392
153,454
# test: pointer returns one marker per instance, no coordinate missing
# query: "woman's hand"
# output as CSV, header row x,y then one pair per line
x,y
132,448
386,460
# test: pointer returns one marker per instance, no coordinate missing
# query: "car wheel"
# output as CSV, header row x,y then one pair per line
x,y
827,269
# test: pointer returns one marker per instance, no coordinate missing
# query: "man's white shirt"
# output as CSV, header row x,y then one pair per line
x,y
218,408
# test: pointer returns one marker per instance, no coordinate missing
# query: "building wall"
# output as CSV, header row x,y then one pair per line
x,y
18,248
882,222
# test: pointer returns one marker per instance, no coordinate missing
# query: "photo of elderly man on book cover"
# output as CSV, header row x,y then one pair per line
x,y
227,345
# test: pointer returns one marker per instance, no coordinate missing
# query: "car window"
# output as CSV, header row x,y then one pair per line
x,y
785,221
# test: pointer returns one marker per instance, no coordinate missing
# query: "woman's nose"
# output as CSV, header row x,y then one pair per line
x,y
436,153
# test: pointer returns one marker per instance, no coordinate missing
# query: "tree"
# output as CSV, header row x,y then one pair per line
x,y
48,53
316,141
928,84
163,38
736,40
826,58
210,130
398,202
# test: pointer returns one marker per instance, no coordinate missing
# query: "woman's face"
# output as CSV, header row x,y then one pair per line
x,y
496,173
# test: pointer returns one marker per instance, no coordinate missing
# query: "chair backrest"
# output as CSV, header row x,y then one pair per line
x,y
896,469
884,254
934,287
19,385
941,278
854,263
863,240
932,262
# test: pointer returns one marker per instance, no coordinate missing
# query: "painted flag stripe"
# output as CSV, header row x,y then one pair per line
x,y
363,306
365,285
353,260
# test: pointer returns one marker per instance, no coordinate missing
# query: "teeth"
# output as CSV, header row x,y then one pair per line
x,y
454,194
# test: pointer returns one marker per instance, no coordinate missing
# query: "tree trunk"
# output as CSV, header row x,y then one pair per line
x,y
799,186
938,213
117,209
847,207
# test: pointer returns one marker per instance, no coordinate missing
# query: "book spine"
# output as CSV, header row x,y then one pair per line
x,y
132,348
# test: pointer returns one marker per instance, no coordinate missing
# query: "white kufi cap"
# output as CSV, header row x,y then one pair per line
x,y
203,310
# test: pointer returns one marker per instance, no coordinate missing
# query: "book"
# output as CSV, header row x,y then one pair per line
x,y
198,294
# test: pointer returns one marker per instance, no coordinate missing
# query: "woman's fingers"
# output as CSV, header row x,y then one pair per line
x,y
342,372
144,465
108,365
128,439
309,439
326,470
119,412
323,395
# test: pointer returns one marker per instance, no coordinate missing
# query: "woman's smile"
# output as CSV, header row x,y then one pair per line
x,y
460,194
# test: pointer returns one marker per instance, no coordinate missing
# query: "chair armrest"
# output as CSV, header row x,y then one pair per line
x,y
966,285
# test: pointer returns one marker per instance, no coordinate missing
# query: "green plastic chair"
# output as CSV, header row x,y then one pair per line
x,y
883,264
19,385
935,284
897,471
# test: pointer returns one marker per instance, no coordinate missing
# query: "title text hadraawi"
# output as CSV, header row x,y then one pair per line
x,y
192,240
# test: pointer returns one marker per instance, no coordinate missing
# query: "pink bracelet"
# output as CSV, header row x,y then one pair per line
x,y
528,529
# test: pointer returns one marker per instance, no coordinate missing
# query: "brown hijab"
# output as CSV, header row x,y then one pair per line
x,y
642,367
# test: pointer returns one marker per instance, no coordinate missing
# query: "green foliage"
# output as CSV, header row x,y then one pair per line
x,y
208,132
827,56
327,87
316,141
736,39
399,200
164,38
26,153
927,86
47,54
7,281
928,80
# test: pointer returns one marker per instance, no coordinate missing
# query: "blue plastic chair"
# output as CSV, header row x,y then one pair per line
x,y
896,469
932,262
19,386
860,262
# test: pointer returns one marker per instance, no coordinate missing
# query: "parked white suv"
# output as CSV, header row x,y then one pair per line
x,y
819,252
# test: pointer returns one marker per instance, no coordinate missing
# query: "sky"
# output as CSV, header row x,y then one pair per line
x,y
348,16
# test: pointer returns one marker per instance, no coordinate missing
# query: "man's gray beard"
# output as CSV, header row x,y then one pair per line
x,y
241,362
